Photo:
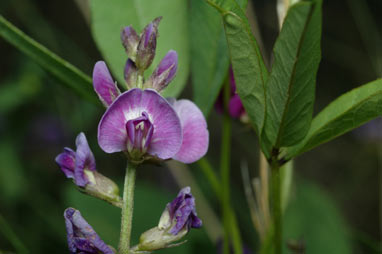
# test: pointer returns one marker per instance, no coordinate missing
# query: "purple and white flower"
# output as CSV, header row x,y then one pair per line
x,y
145,125
81,236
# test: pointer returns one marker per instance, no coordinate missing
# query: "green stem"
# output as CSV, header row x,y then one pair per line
x,y
212,178
229,221
127,209
276,207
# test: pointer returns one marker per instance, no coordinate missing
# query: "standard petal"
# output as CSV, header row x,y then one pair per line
x,y
195,133
103,84
167,136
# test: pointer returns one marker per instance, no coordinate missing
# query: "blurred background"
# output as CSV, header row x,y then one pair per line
x,y
335,200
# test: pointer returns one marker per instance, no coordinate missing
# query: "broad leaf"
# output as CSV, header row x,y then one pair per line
x,y
342,115
291,83
64,71
314,219
109,17
248,65
210,61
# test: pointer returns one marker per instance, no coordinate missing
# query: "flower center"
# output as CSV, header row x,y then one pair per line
x,y
139,133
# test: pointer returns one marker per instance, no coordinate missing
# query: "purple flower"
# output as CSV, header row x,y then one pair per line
x,y
147,45
175,222
103,84
146,126
130,40
180,214
164,73
74,164
81,236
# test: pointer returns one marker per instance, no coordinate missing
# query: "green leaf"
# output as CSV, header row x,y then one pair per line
x,y
347,112
210,61
109,17
313,218
291,83
64,71
248,65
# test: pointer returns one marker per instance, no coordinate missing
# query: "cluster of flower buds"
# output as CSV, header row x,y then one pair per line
x,y
80,166
175,222
141,52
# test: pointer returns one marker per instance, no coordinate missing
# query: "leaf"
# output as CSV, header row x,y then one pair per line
x,y
313,218
347,112
247,63
291,83
109,17
64,71
210,61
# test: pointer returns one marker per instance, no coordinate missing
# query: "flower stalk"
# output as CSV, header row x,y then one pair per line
x,y
127,209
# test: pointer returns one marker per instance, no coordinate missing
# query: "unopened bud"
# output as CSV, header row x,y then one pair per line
x,y
175,222
164,73
131,74
130,40
147,45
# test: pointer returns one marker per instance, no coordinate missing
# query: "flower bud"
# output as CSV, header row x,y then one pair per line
x,y
164,73
130,40
131,74
175,222
147,45
80,166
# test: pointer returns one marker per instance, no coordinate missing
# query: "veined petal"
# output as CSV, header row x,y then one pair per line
x,y
195,133
103,84
167,136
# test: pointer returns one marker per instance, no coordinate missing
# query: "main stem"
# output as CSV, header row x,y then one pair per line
x,y
276,207
127,209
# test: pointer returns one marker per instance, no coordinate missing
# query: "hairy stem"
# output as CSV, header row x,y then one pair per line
x,y
127,209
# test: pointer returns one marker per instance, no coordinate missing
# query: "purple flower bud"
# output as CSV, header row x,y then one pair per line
x,y
81,236
165,72
175,222
147,45
74,164
81,167
131,74
180,214
130,41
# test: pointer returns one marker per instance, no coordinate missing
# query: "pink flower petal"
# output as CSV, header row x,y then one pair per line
x,y
167,136
195,133
103,84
